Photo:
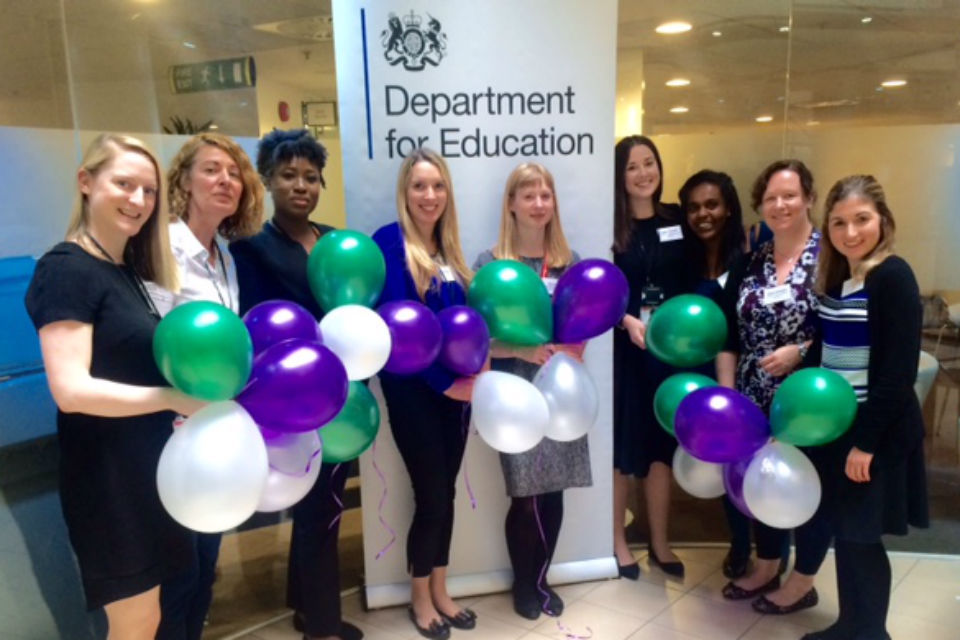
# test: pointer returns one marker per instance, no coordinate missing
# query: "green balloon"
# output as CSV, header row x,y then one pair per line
x,y
346,267
513,301
355,427
204,349
671,393
812,407
687,331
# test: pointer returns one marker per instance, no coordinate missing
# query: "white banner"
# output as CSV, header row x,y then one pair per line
x,y
488,85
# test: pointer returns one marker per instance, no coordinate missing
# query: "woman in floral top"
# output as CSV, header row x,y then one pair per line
x,y
774,309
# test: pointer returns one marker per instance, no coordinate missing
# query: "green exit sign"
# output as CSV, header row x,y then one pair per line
x,y
214,75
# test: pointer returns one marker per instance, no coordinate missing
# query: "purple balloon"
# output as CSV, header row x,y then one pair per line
x,y
717,424
415,336
466,340
590,298
296,385
274,321
733,473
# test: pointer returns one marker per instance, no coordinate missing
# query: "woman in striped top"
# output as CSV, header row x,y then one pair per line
x,y
870,316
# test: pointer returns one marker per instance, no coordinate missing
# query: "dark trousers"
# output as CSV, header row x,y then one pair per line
x,y
863,585
313,575
530,554
429,429
739,530
812,539
185,600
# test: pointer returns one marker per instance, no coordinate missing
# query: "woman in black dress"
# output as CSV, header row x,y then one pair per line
x,y
648,247
115,411
272,265
870,315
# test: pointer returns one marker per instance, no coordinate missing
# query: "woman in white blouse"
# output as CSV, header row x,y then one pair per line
x,y
215,197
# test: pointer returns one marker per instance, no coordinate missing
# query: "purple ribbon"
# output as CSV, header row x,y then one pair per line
x,y
306,469
336,498
383,499
570,635
466,471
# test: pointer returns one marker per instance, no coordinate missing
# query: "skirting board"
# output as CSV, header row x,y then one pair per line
x,y
475,584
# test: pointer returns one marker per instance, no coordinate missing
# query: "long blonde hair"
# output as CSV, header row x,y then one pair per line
x,y
446,232
557,251
148,252
248,217
833,267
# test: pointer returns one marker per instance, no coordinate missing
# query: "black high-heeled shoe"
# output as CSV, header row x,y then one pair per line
x,y
629,571
674,569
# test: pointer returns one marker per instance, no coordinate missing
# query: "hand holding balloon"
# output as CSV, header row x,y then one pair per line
x,y
636,329
782,361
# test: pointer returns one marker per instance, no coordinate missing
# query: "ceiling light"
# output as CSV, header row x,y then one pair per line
x,y
671,28
895,82
784,29
764,118
679,110
213,126
812,123
866,20
717,34
678,82
189,45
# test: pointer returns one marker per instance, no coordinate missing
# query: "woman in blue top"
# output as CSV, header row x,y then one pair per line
x,y
428,412
870,318
530,232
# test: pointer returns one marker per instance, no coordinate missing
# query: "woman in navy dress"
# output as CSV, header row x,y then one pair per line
x,y
870,334
428,411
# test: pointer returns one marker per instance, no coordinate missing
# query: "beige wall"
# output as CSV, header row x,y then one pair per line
x,y
917,166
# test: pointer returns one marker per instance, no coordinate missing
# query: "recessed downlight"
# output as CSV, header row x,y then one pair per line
x,y
678,82
764,118
784,29
679,109
866,19
673,27
893,82
717,34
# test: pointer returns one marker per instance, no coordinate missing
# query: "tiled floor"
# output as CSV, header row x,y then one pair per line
x,y
925,605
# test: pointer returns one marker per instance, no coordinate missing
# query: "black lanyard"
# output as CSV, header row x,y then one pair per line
x,y
228,303
139,289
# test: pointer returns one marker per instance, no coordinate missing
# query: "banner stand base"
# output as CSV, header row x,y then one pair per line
x,y
475,584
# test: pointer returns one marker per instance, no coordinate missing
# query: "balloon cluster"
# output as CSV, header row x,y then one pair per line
x,y
285,392
510,413
725,439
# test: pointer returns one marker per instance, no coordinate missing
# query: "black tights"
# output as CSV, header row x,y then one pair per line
x,y
863,584
529,553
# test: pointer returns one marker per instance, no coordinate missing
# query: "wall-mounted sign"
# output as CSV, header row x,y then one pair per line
x,y
319,114
213,75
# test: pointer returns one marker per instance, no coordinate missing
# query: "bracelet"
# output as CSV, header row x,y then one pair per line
x,y
802,349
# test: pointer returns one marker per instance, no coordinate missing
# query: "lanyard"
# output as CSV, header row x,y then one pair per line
x,y
139,289
545,268
214,276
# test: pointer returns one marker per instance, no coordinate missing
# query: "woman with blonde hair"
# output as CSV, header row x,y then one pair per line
x,y
530,232
115,411
215,196
428,411
873,480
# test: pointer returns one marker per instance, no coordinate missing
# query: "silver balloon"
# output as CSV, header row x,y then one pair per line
x,y
284,490
213,469
571,397
510,414
291,453
781,486
697,477
359,337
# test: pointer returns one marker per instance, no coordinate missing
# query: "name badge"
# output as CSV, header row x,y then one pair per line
x,y
550,284
446,272
773,295
669,234
722,280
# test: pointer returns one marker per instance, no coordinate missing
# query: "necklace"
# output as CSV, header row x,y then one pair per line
x,y
139,289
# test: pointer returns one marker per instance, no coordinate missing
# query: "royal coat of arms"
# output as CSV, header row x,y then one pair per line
x,y
406,41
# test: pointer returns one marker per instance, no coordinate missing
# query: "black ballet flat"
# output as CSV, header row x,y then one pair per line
x,y
629,571
465,619
674,569
436,631
349,631
554,603
765,606
733,592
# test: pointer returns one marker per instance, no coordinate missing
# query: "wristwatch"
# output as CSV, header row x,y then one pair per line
x,y
802,349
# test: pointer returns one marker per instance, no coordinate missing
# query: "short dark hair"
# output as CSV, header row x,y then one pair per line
x,y
733,239
279,147
797,166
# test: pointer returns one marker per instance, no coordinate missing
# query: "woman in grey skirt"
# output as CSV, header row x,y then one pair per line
x,y
530,232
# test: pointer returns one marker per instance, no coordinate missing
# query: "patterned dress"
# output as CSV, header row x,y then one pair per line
x,y
763,328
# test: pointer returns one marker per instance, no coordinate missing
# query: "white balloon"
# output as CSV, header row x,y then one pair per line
x,y
213,469
510,414
284,490
359,337
781,486
291,452
697,477
571,397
